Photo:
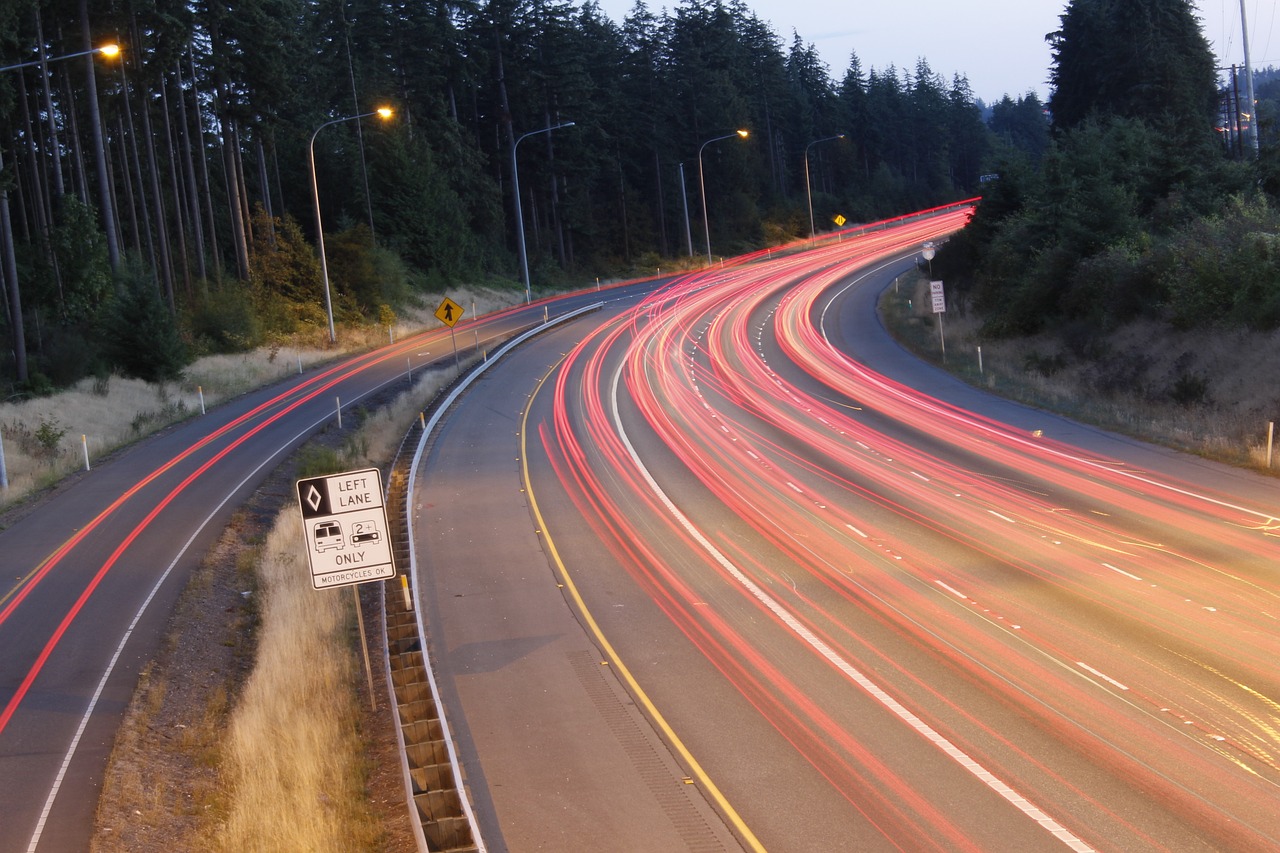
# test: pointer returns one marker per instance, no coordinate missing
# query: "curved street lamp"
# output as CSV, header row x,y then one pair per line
x,y
515,185
382,112
10,271
807,189
702,185
107,50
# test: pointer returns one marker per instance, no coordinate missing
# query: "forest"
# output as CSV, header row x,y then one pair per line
x,y
159,203
1155,198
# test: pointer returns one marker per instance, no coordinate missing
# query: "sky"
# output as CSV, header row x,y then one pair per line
x,y
998,44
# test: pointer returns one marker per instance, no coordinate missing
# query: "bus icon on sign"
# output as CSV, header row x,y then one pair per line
x,y
327,536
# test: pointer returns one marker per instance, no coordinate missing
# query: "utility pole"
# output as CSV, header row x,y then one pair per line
x,y
1248,81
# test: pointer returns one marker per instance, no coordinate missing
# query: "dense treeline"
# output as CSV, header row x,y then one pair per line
x,y
1149,200
159,204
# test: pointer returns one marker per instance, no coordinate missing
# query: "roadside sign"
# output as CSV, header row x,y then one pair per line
x,y
344,525
936,294
449,312
839,220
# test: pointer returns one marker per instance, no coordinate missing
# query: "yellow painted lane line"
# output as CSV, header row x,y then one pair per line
x,y
730,814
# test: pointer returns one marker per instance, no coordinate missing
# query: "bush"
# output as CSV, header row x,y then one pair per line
x,y
225,320
142,338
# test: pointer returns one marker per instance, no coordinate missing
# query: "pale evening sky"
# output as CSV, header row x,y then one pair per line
x,y
998,44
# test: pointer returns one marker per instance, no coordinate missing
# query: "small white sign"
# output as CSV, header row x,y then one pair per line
x,y
344,525
936,294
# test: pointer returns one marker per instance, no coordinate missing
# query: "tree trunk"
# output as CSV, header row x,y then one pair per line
x,y
189,175
204,172
176,185
246,210
39,205
79,178
126,179
165,270
234,207
104,181
55,147
11,285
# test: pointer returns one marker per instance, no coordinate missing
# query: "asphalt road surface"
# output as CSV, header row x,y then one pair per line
x,y
91,573
724,567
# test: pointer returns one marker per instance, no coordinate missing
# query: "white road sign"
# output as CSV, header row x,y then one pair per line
x,y
939,300
344,524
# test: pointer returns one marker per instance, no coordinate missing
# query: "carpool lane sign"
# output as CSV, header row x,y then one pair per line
x,y
344,523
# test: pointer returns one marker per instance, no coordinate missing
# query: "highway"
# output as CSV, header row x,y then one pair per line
x,y
92,571
722,566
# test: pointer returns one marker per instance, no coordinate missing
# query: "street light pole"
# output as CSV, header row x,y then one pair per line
x,y
383,112
108,50
807,189
515,185
9,272
702,186
1248,81
684,201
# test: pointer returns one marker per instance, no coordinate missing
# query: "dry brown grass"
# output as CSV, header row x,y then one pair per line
x,y
115,411
293,752
1207,391
292,769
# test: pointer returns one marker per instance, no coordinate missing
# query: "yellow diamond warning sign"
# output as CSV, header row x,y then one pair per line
x,y
449,312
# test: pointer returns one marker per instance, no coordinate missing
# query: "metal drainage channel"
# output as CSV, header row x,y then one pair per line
x,y
441,820
433,776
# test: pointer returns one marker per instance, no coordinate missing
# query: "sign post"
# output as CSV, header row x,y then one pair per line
x,y
348,540
450,313
939,308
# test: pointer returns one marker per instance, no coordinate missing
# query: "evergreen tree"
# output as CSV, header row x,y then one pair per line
x,y
1142,59
142,339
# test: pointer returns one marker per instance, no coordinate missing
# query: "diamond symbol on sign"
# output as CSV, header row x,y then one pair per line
x,y
313,497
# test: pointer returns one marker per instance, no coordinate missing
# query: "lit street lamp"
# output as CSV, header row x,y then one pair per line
x,y
515,185
807,189
383,113
10,271
702,186
107,50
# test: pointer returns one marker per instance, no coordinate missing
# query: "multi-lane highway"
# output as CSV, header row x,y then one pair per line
x,y
91,573
724,566
719,565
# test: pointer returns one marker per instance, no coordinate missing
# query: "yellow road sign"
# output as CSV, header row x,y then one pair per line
x,y
449,312
839,219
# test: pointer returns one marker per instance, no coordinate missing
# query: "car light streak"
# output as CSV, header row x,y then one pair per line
x,y
1114,611
260,417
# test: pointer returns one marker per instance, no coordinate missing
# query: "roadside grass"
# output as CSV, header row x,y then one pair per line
x,y
292,762
45,438
1206,392
245,734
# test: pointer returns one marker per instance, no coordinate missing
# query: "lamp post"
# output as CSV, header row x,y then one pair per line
x,y
807,188
515,185
107,50
684,201
10,270
383,113
702,186
1248,81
